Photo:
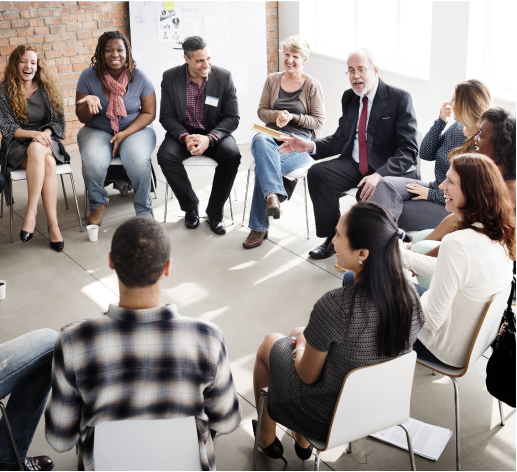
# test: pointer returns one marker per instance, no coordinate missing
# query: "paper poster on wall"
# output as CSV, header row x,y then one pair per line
x,y
170,29
217,33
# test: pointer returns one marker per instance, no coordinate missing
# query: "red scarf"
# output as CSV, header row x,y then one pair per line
x,y
117,90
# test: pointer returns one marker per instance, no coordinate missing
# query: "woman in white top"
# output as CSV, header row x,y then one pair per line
x,y
474,262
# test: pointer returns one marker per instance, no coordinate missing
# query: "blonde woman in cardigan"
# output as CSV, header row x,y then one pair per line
x,y
291,102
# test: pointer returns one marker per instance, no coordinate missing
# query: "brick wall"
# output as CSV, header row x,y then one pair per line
x,y
67,32
272,36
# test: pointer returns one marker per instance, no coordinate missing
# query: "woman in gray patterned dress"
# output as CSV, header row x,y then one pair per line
x,y
32,124
373,320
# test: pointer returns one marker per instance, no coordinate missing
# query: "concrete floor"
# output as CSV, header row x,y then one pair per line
x,y
248,293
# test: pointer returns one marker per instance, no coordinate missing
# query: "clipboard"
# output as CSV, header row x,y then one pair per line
x,y
271,132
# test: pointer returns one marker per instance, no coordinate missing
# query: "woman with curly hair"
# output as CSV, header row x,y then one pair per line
x,y
473,264
116,101
32,124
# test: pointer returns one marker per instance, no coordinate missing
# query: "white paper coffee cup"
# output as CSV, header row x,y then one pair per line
x,y
3,285
93,232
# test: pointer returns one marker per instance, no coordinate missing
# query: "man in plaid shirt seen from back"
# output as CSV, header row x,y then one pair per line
x,y
140,359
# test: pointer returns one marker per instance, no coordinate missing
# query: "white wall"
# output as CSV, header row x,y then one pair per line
x,y
449,51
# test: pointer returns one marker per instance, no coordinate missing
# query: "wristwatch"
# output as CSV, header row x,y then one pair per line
x,y
212,141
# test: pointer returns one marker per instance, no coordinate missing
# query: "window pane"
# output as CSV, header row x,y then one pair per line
x,y
415,34
335,25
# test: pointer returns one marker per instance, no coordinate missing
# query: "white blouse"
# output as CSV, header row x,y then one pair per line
x,y
469,269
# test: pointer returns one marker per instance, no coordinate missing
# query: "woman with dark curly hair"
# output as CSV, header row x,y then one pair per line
x,y
116,101
32,124
474,262
496,139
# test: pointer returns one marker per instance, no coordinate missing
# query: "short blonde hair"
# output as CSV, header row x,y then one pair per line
x,y
296,44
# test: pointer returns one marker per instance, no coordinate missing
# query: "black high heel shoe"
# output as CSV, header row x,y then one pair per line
x,y
57,246
303,453
25,236
275,450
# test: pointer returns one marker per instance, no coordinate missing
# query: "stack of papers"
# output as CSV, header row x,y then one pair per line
x,y
428,441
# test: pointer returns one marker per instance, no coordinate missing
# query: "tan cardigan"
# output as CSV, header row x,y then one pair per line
x,y
311,97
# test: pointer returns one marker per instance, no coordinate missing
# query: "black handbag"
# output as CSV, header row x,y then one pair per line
x,y
500,370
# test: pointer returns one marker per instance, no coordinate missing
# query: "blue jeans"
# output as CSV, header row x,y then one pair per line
x,y
135,152
25,370
270,166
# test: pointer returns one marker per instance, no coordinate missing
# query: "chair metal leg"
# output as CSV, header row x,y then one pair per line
x,y
11,437
76,202
306,211
433,373
11,209
64,191
245,198
349,450
235,193
410,446
85,203
2,205
166,198
501,412
231,208
257,432
457,411
317,461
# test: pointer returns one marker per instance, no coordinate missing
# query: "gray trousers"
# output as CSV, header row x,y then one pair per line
x,y
412,215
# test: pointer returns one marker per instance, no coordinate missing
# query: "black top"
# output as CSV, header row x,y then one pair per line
x,y
291,102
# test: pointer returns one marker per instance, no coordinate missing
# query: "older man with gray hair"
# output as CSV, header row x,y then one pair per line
x,y
376,137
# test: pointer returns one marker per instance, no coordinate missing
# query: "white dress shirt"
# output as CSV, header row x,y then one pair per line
x,y
371,96
469,269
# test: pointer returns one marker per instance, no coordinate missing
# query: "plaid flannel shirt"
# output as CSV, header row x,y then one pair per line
x,y
145,364
195,106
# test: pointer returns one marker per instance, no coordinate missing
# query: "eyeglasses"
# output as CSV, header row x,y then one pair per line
x,y
360,70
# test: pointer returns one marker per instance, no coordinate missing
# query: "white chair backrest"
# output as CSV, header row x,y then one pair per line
x,y
373,398
489,325
419,138
170,444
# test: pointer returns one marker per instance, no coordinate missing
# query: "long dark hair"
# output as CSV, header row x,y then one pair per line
x,y
371,226
503,139
98,60
487,200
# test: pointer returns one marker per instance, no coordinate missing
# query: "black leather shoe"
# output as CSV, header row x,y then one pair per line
x,y
324,251
191,219
275,450
303,453
216,226
30,463
59,246
24,236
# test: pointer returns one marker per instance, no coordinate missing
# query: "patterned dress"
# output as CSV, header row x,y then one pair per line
x,y
344,323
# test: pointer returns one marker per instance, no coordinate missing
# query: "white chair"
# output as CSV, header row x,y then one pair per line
x,y
197,161
20,174
168,444
115,162
485,335
372,398
297,174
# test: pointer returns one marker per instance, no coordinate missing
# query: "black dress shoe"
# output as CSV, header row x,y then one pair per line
x,y
216,226
192,219
30,463
59,246
24,236
324,251
275,450
303,453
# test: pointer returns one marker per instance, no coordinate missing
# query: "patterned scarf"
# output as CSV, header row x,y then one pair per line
x,y
117,89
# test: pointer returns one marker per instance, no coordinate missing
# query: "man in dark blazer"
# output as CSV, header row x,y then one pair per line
x,y
199,111
376,137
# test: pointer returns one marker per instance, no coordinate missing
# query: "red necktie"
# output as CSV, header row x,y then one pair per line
x,y
363,147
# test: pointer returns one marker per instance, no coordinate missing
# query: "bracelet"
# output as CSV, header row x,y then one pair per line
x,y
297,349
294,116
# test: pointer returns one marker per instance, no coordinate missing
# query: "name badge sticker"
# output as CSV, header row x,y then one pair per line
x,y
212,101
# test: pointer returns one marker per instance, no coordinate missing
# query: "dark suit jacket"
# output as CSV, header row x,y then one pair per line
x,y
392,130
220,121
